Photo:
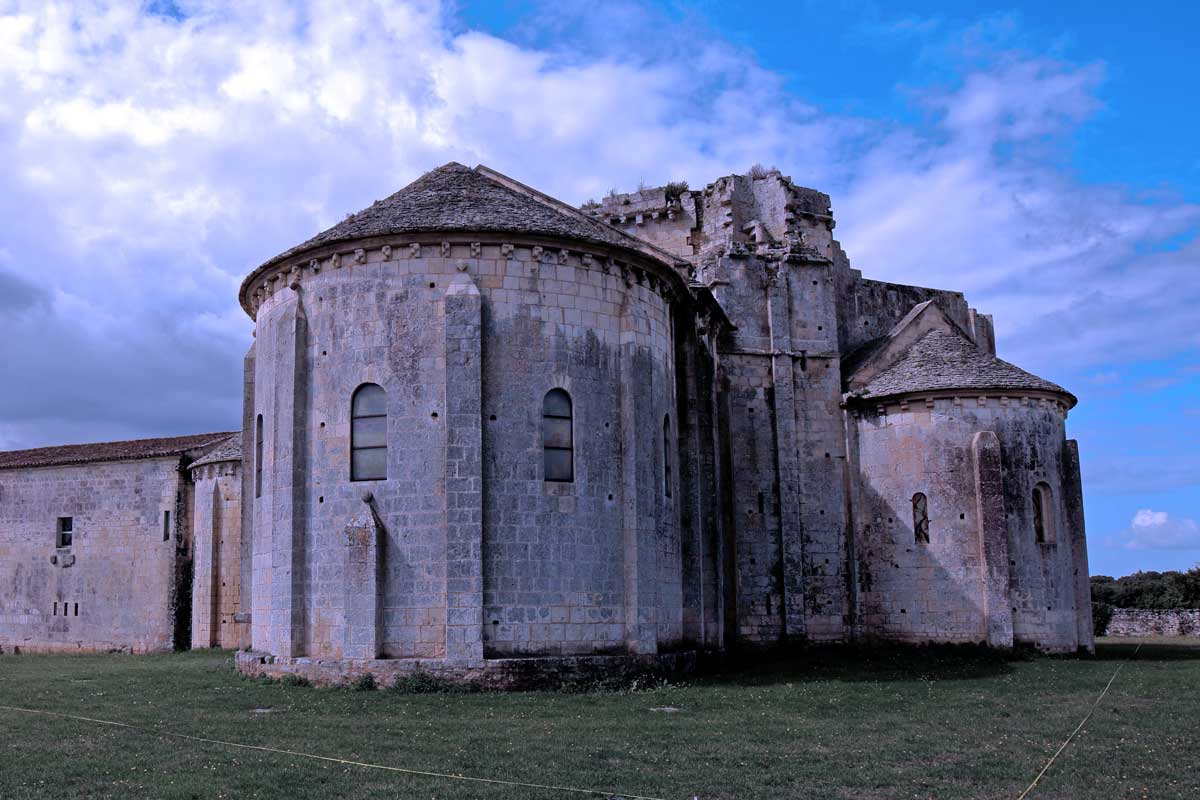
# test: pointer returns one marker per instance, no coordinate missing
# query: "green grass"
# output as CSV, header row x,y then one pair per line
x,y
938,723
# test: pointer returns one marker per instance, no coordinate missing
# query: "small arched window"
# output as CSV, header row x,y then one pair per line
x,y
920,506
558,442
667,455
258,450
1043,514
368,433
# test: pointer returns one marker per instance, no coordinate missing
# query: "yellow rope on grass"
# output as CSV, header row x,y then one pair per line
x,y
425,773
1078,727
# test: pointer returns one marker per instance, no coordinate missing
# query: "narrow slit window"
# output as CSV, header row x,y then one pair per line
x,y
368,433
66,532
667,455
258,453
558,439
920,506
166,526
1043,514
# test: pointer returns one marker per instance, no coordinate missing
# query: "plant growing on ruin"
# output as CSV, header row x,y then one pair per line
x,y
674,189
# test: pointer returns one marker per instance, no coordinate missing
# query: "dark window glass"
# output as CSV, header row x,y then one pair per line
x,y
66,531
368,433
258,453
166,526
558,441
920,518
667,454
1043,516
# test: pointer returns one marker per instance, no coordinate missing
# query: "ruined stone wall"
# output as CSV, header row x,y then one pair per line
x,y
111,590
1145,622
766,254
950,589
868,309
528,566
781,374
217,550
669,222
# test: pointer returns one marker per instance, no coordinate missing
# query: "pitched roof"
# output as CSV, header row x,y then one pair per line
x,y
228,450
942,360
454,197
108,451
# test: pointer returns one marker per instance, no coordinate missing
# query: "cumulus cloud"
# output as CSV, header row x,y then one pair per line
x,y
152,157
1158,530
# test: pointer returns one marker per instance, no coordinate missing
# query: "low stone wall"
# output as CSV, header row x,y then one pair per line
x,y
492,673
1142,622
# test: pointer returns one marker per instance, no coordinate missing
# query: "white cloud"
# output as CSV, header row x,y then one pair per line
x,y
150,162
1158,530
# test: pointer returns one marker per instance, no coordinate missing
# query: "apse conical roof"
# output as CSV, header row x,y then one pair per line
x,y
944,360
456,198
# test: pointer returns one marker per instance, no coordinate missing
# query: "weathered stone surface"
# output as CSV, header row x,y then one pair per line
x,y
749,423
1146,622
114,588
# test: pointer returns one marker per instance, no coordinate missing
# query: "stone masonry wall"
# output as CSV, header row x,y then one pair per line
x,y
936,591
582,567
1145,622
111,590
217,549
766,253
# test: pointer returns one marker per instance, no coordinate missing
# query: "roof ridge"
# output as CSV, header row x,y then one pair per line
x,y
454,198
946,359
569,210
119,450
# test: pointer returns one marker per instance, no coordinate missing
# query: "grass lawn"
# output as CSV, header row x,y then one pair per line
x,y
895,724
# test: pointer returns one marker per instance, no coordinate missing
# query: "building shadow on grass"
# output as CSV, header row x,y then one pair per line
x,y
864,663
1148,650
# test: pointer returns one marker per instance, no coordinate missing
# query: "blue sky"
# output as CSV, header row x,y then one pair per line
x,y
1039,157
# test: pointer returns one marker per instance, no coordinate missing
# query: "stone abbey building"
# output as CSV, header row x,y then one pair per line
x,y
485,428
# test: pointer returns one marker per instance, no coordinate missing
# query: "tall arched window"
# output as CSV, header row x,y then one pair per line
x,y
368,433
667,455
920,518
258,448
558,442
1043,514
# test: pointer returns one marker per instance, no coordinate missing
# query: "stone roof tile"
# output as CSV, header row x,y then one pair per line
x,y
108,451
454,197
945,360
228,450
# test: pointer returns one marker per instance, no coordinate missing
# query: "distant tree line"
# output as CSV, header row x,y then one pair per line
x,y
1148,590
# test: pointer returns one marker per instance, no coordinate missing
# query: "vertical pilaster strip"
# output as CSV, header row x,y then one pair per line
x,y
1072,490
728,566
791,529
246,542
694,523
464,470
993,538
213,578
263,616
287,436
851,477
639,484
362,603
202,584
